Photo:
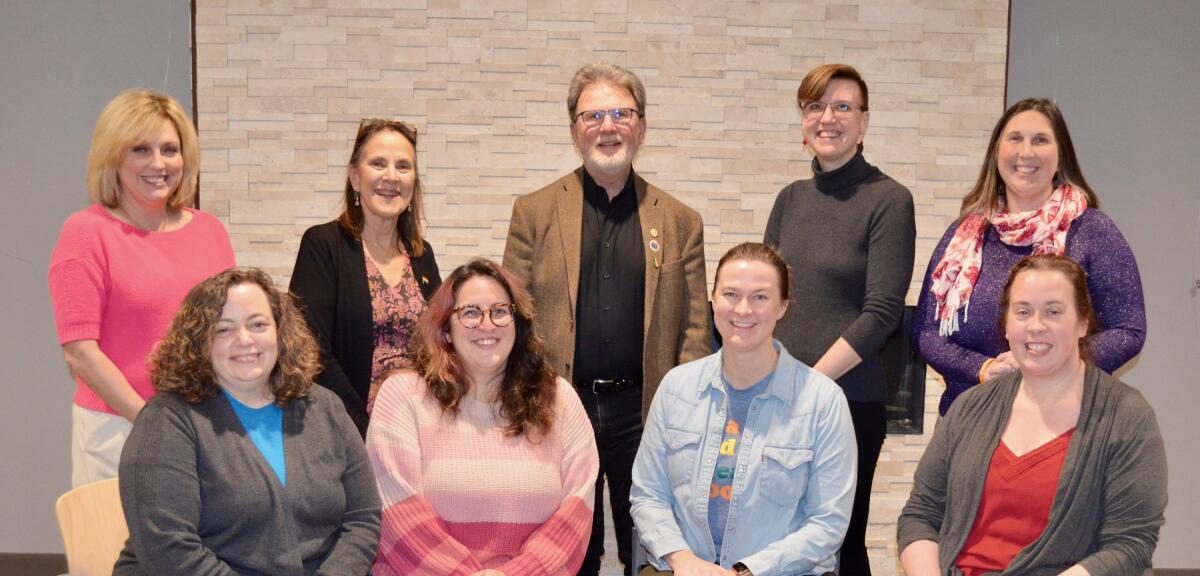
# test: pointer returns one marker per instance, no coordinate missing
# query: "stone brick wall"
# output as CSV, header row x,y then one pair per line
x,y
282,85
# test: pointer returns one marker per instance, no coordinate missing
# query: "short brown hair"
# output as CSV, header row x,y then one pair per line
x,y
606,73
758,252
1078,279
528,390
131,117
989,187
817,81
409,222
182,362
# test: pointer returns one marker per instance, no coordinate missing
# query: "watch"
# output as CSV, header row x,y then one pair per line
x,y
741,570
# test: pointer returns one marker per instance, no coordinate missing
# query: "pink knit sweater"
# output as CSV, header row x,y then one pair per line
x,y
120,286
459,496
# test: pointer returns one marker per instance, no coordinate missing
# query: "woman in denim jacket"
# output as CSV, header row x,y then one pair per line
x,y
747,462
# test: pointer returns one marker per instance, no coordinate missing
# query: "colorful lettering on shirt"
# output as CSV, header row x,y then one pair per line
x,y
720,492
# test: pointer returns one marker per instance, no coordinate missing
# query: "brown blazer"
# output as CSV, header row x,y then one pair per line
x,y
543,251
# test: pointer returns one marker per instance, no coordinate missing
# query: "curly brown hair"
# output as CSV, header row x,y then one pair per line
x,y
528,390
182,361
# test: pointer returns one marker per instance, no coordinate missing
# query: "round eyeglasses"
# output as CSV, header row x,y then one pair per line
x,y
621,116
471,316
840,108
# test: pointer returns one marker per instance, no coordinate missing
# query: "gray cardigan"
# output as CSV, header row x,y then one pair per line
x,y
199,497
1111,492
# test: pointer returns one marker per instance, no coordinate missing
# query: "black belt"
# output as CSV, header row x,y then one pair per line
x,y
608,385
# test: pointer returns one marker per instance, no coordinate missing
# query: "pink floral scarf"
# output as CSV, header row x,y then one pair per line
x,y
1045,229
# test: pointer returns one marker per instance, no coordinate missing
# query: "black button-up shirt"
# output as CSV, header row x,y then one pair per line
x,y
612,286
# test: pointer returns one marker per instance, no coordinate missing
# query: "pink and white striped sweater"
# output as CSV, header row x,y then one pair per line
x,y
460,497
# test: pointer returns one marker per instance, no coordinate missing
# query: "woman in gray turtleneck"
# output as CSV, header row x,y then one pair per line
x,y
848,236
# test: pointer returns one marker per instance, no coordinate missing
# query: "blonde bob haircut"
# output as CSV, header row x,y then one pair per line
x,y
130,118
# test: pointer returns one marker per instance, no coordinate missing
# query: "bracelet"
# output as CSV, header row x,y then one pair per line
x,y
983,369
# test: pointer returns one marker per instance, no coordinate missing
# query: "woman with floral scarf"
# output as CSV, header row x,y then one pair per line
x,y
1030,198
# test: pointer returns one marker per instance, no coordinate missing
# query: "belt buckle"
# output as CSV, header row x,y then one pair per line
x,y
598,383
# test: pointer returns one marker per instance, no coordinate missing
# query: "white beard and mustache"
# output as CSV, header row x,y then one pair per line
x,y
606,164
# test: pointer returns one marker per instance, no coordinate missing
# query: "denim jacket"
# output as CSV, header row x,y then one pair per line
x,y
794,481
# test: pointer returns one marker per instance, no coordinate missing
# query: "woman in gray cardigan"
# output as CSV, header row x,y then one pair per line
x,y
1058,468
240,465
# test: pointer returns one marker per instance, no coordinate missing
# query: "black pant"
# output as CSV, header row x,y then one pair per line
x,y
870,428
617,422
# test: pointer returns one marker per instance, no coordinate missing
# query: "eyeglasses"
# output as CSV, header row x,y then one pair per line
x,y
840,109
471,316
620,116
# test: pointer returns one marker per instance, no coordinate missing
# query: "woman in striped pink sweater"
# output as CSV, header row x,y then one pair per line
x,y
485,460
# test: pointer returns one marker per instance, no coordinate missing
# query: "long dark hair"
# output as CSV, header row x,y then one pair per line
x,y
989,187
527,392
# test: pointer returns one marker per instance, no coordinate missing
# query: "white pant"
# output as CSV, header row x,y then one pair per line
x,y
96,442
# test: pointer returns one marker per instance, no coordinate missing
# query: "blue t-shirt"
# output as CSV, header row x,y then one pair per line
x,y
720,492
265,428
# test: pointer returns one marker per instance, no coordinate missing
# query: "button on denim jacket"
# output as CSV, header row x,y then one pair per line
x,y
793,485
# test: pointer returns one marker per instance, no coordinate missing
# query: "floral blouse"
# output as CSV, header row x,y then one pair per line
x,y
394,311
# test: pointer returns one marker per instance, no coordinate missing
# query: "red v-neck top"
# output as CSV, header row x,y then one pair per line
x,y
1015,505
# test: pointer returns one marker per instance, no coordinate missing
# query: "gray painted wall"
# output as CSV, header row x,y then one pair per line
x,y
1126,75
62,61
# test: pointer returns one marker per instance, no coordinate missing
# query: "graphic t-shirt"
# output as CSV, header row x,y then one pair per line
x,y
720,492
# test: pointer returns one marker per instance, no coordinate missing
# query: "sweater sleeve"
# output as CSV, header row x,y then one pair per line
x,y
923,513
891,245
315,282
77,284
413,539
954,362
558,546
1115,287
1135,495
160,495
358,537
774,221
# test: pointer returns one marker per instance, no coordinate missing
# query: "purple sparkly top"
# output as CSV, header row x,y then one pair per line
x,y
1113,283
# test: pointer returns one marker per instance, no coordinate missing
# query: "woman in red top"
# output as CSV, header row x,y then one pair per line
x,y
1058,468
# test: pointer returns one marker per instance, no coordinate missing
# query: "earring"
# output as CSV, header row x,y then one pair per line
x,y
806,141
356,198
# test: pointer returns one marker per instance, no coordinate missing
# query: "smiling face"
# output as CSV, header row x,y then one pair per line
x,y
1027,159
384,176
151,169
483,350
246,345
747,303
834,138
1043,325
608,150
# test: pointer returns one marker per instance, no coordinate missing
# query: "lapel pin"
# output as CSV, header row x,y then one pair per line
x,y
654,232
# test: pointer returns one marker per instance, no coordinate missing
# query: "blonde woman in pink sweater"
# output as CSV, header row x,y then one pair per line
x,y
123,264
486,461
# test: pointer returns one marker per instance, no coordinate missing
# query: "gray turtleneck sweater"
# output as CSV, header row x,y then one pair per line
x,y
848,236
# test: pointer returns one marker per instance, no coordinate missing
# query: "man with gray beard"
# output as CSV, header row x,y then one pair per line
x,y
616,270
